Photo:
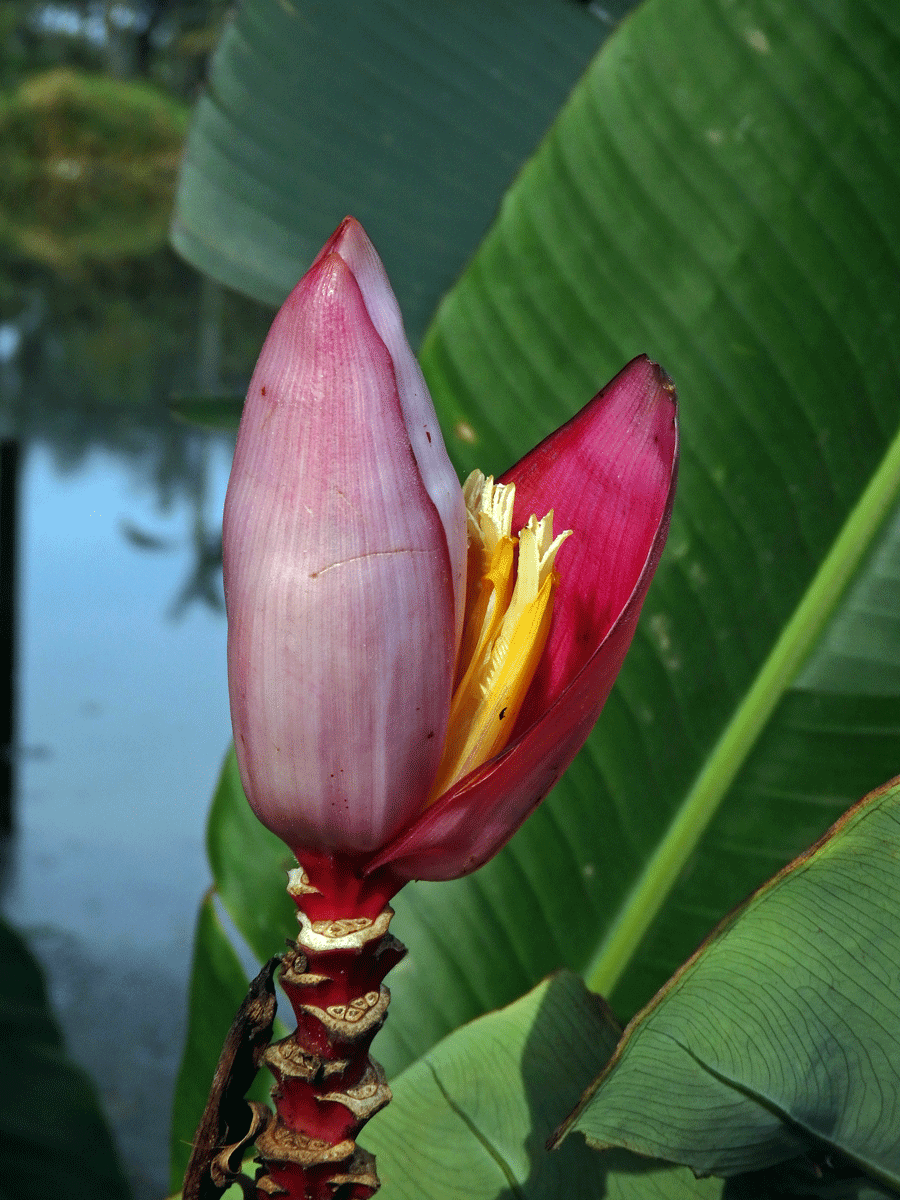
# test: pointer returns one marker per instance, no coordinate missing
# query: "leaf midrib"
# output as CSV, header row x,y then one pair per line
x,y
789,1118
780,669
484,1141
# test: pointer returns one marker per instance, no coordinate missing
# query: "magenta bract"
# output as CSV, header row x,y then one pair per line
x,y
609,475
345,558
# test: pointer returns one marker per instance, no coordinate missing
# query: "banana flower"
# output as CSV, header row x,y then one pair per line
x,y
413,664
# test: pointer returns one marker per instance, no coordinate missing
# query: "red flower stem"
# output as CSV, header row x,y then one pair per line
x,y
326,1085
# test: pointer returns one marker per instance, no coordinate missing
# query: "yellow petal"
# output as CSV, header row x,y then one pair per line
x,y
506,628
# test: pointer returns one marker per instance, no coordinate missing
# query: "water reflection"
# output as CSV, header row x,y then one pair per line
x,y
9,591
121,687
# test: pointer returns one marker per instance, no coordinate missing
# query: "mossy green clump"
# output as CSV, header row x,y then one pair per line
x,y
90,165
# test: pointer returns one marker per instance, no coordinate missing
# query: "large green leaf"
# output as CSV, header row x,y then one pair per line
x,y
53,1138
471,1119
716,193
413,116
720,191
783,1028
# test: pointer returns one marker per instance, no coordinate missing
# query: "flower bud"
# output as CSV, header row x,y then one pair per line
x,y
412,665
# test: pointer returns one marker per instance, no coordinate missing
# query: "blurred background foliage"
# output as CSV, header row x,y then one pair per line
x,y
90,165
94,107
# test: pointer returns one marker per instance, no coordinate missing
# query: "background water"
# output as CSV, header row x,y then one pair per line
x,y
119,692
121,726
123,723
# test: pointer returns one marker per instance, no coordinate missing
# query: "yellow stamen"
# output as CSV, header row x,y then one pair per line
x,y
509,606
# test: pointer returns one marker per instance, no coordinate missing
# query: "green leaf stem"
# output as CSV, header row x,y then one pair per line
x,y
780,670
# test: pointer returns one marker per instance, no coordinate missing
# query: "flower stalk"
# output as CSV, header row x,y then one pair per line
x,y
326,1084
